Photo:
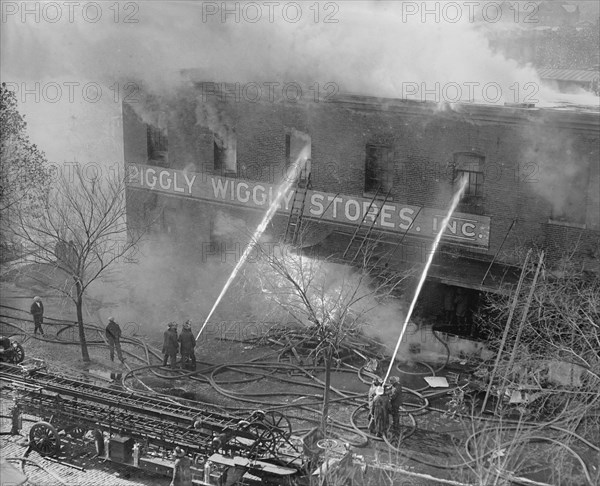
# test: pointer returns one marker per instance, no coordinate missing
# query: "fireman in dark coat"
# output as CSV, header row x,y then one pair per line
x,y
395,392
381,418
37,311
170,345
113,336
187,343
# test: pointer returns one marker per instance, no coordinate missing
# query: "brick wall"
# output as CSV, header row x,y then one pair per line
x,y
523,150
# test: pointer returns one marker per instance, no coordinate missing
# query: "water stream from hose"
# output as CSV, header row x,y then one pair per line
x,y
436,242
284,188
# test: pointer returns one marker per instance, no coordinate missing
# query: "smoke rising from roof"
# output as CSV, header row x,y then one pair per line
x,y
373,48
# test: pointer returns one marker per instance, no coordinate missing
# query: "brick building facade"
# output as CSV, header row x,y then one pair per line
x,y
207,164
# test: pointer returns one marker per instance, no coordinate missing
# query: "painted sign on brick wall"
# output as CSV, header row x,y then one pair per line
x,y
468,229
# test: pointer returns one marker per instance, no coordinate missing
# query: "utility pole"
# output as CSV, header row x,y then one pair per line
x,y
524,317
513,305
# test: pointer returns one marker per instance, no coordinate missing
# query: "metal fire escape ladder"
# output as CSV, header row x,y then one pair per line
x,y
370,230
292,231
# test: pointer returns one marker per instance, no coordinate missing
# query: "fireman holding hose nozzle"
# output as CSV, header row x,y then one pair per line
x,y
187,344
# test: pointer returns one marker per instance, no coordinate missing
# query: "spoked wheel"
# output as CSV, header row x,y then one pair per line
x,y
18,354
279,424
264,440
44,439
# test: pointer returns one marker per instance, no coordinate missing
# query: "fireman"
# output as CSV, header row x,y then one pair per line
x,y
170,344
187,343
381,419
395,392
37,311
113,337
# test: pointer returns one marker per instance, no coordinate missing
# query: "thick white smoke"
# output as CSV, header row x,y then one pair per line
x,y
375,48
366,47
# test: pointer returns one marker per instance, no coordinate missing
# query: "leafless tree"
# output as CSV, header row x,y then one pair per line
x,y
332,301
551,361
81,231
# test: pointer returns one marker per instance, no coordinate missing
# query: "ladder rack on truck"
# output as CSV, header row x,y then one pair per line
x,y
134,428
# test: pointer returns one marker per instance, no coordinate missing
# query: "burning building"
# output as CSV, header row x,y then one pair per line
x,y
206,166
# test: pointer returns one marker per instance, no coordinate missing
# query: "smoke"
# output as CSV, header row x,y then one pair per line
x,y
169,38
222,127
332,44
552,166
313,290
164,285
342,296
226,226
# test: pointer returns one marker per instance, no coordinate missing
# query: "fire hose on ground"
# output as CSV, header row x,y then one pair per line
x,y
262,370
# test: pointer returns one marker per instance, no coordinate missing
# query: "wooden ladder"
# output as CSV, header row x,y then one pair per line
x,y
292,232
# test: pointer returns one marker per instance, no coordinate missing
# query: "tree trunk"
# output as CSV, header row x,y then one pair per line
x,y
79,305
328,356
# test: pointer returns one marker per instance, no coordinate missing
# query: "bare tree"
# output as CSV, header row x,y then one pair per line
x,y
558,325
81,230
333,302
551,363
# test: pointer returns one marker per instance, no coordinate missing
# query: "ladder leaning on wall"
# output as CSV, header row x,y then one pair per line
x,y
292,231
362,224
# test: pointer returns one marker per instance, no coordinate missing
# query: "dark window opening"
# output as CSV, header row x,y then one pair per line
x,y
158,145
225,153
288,148
379,169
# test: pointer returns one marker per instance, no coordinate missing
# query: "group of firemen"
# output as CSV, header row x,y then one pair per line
x,y
384,401
183,344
